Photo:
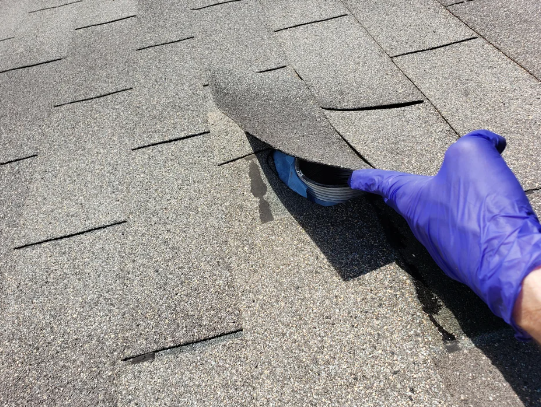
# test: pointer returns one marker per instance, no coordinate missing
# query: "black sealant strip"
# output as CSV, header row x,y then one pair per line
x,y
106,22
50,8
18,159
272,69
183,347
433,48
244,156
53,239
165,43
93,97
171,140
379,107
31,65
215,4
310,22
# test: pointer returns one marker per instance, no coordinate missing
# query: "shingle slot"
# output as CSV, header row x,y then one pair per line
x,y
272,69
433,48
53,239
380,107
50,8
5,39
170,140
165,43
31,65
93,97
244,156
311,22
185,347
215,4
18,159
106,22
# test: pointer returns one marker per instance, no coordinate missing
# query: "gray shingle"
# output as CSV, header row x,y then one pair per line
x,y
163,21
406,26
79,172
230,142
168,100
61,325
474,86
100,62
408,139
103,11
512,26
177,271
284,13
12,13
277,108
501,371
26,102
234,35
344,67
40,37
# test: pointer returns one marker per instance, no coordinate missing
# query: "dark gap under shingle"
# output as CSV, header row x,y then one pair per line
x,y
380,107
244,156
18,159
272,69
311,22
149,356
93,97
31,65
53,239
5,39
531,191
50,8
106,22
432,48
170,140
215,4
165,43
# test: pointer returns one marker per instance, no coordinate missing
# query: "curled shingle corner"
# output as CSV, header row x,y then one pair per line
x,y
277,108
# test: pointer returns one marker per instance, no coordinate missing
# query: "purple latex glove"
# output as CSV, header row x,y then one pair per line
x,y
473,217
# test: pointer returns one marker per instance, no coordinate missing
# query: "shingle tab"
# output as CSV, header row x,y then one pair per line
x,y
344,67
100,62
27,99
474,86
277,108
168,99
81,167
234,35
163,21
12,14
284,13
512,26
406,26
62,324
407,139
40,37
177,274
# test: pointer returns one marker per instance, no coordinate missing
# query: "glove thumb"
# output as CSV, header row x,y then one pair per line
x,y
396,188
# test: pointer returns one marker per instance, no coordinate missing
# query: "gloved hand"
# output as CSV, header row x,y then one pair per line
x,y
473,217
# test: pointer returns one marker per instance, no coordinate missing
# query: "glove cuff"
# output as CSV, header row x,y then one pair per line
x,y
503,285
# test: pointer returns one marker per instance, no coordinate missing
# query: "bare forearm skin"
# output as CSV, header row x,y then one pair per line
x,y
527,311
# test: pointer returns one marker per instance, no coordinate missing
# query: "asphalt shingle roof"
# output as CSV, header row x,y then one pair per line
x,y
149,254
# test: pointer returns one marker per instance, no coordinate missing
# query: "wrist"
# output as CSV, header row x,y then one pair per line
x,y
527,310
